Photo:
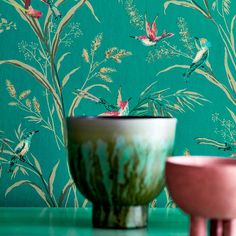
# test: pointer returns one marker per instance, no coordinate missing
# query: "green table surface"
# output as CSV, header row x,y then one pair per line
x,y
77,222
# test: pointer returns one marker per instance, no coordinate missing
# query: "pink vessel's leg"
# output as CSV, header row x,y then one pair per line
x,y
216,228
197,226
229,227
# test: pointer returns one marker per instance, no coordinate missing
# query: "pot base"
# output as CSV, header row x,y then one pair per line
x,y
120,217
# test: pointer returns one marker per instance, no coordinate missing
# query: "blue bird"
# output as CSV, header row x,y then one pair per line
x,y
200,58
22,149
53,8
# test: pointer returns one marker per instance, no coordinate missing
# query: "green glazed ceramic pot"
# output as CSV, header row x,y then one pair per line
x,y
118,164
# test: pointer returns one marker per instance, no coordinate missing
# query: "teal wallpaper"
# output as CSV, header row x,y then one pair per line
x,y
79,57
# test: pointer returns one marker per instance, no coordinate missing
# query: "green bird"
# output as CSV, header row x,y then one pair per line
x,y
200,58
22,149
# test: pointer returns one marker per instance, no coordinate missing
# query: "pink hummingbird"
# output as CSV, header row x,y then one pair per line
x,y
123,107
37,14
30,11
151,39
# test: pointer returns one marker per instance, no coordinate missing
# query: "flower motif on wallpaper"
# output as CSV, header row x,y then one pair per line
x,y
6,25
73,33
135,18
151,38
29,167
226,130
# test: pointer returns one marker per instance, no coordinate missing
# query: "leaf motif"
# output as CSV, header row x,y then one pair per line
x,y
40,192
213,6
88,95
119,98
52,178
24,94
92,10
76,101
208,76
206,4
16,184
184,4
46,127
158,94
85,203
65,190
226,6
37,165
3,159
67,77
104,77
232,114
0,171
61,60
232,32
147,90
231,80
6,140
85,55
61,25
12,104
52,110
36,74
19,129
23,171
42,54
208,141
33,118
33,185
15,172
76,202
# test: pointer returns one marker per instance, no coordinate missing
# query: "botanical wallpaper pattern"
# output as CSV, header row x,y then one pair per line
x,y
63,58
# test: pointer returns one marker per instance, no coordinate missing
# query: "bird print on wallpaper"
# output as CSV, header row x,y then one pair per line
x,y
151,38
37,14
121,108
200,57
53,8
22,149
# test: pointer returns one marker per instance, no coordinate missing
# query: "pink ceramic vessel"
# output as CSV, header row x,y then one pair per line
x,y
205,188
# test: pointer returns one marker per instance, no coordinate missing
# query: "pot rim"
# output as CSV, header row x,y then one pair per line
x,y
201,161
118,117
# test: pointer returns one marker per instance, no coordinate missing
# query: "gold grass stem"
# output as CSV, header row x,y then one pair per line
x,y
52,121
227,39
67,197
34,170
53,202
